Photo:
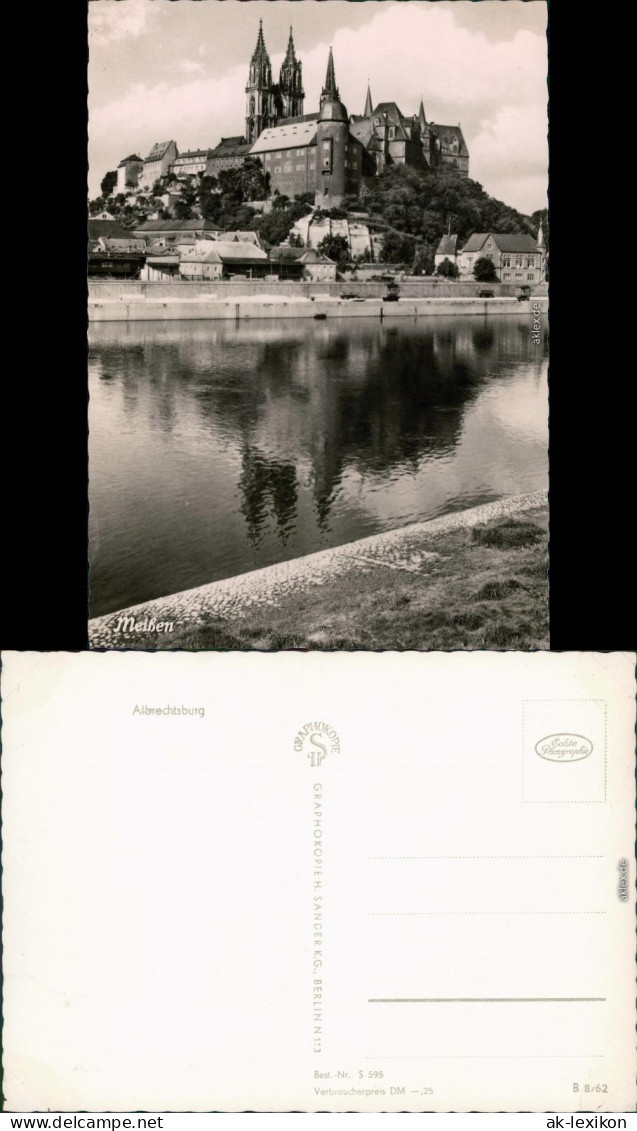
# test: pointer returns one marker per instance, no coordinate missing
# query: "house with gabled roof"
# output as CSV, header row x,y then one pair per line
x,y
216,259
111,229
171,230
517,256
447,249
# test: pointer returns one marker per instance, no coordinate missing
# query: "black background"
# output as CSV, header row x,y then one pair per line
x,y
44,448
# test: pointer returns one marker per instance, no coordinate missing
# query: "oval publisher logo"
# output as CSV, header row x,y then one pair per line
x,y
564,747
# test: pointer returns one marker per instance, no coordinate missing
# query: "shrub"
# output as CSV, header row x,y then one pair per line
x,y
484,270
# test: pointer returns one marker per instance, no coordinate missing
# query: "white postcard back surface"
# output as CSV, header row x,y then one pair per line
x,y
371,882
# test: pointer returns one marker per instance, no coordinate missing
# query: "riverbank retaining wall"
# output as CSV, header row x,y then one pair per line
x,y
121,290
136,309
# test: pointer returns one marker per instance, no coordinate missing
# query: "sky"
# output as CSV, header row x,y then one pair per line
x,y
161,69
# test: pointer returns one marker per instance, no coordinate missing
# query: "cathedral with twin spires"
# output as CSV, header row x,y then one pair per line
x,y
267,103
330,151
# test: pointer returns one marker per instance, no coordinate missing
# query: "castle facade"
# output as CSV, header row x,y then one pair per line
x,y
329,152
315,153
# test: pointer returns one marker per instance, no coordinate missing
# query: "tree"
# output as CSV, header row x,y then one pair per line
x,y
108,182
422,202
276,226
397,248
424,262
296,240
183,210
484,270
449,270
336,248
247,182
280,200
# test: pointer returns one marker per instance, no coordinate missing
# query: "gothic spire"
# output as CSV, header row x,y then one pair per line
x,y
421,115
330,90
260,51
368,111
290,55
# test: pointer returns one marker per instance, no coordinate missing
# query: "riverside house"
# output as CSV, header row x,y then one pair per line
x,y
113,252
302,263
517,257
216,259
447,249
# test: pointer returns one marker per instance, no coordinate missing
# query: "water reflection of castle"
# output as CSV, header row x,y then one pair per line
x,y
312,405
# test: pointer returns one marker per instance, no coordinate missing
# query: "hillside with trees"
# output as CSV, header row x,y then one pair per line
x,y
417,207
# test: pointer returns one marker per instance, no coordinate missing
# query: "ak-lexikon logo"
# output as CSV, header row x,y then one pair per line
x,y
317,740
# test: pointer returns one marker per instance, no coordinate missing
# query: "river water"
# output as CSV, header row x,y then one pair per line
x,y
220,447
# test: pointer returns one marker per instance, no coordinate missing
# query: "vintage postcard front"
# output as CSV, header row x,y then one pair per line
x,y
318,324
383,882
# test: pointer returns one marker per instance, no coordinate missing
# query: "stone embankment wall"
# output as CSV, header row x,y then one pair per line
x,y
200,308
227,289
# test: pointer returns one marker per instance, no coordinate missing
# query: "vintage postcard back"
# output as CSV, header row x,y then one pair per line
x,y
382,882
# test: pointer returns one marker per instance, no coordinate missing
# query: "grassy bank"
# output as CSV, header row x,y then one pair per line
x,y
483,587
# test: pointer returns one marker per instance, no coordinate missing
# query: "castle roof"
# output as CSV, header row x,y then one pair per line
x,y
504,241
302,118
188,154
159,150
230,147
394,113
448,134
125,160
333,110
362,129
286,136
